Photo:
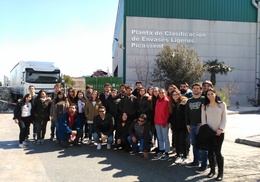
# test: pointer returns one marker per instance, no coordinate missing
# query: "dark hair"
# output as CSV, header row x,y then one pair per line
x,y
107,85
39,94
123,85
101,107
208,82
89,86
97,98
143,116
196,84
138,82
24,99
185,83
73,104
129,87
207,101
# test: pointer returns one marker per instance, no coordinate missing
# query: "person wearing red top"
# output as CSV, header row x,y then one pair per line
x,y
161,118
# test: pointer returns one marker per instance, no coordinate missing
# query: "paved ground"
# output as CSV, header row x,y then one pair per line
x,y
49,162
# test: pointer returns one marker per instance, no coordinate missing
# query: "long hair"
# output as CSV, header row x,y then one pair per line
x,y
207,101
97,98
24,99
173,103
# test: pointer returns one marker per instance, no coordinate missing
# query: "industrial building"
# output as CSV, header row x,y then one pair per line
x,y
226,30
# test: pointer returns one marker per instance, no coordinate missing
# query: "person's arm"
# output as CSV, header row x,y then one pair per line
x,y
203,115
95,126
222,125
187,117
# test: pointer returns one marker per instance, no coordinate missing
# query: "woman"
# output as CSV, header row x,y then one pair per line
x,y
23,117
122,132
161,117
177,109
71,95
214,113
42,114
59,106
150,90
91,110
81,102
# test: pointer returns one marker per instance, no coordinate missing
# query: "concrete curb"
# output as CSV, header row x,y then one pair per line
x,y
251,141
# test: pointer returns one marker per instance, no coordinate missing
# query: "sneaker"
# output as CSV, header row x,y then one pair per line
x,y
165,157
21,145
51,138
191,165
200,170
98,146
89,142
25,143
178,160
26,139
108,146
134,152
184,161
158,155
38,142
34,136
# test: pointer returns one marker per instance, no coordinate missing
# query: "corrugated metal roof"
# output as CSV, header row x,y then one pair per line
x,y
223,10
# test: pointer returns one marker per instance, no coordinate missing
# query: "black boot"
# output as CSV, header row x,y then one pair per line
x,y
220,169
212,166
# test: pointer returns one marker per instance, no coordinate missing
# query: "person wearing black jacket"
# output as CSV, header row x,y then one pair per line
x,y
139,131
122,132
103,128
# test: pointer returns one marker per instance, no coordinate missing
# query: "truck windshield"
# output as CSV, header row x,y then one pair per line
x,y
42,77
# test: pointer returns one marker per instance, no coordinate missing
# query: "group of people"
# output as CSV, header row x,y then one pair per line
x,y
133,120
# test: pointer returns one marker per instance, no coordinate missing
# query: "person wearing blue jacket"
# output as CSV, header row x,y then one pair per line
x,y
69,129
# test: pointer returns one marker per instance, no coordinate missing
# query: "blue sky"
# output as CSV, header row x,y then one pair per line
x,y
76,35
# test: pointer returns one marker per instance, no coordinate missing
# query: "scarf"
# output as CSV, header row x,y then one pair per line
x,y
71,119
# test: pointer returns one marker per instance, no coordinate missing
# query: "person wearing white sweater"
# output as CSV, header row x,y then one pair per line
x,y
214,113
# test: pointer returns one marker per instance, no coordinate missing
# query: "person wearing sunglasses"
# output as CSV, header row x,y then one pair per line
x,y
139,132
103,128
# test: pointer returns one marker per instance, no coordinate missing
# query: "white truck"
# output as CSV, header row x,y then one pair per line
x,y
43,75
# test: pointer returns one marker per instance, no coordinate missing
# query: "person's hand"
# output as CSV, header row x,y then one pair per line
x,y
134,139
74,133
170,125
219,131
118,141
16,121
104,138
145,155
188,128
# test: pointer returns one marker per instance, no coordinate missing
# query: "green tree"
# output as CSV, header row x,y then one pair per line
x,y
1,84
215,67
177,65
68,81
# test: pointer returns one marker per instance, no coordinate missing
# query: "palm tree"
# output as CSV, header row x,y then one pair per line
x,y
216,67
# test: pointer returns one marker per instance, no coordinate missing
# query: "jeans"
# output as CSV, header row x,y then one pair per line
x,y
90,130
53,126
163,137
97,139
180,143
198,154
135,144
24,124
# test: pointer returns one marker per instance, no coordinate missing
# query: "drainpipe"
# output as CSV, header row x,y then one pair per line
x,y
257,5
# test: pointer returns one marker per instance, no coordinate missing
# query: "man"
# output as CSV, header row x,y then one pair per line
x,y
129,105
89,90
139,131
205,86
103,128
105,94
112,103
185,91
69,127
193,122
122,91
138,85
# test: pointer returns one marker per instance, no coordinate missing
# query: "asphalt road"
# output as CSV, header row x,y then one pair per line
x,y
49,162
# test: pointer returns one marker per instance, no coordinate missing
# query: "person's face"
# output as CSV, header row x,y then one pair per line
x,y
102,112
128,91
71,92
150,91
170,89
43,95
27,99
56,89
138,85
94,95
122,89
89,90
142,92
175,96
205,87
60,96
80,95
196,90
183,87
155,92
32,90
161,94
107,88
211,95
72,109
141,121
114,93
124,117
